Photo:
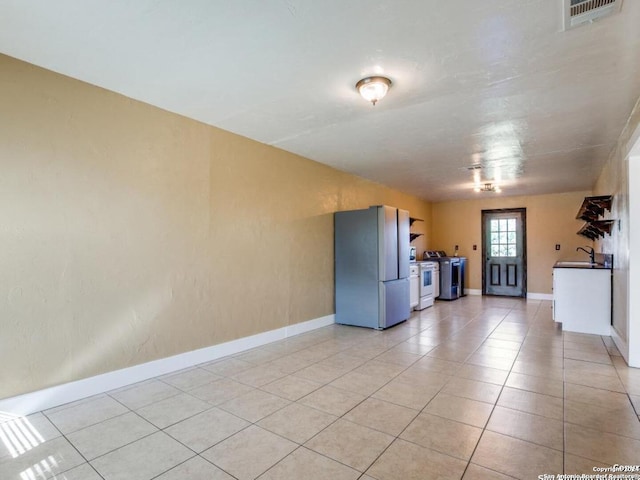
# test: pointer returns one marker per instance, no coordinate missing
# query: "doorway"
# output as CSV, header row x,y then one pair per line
x,y
504,252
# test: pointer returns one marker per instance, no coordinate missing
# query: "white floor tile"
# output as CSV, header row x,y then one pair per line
x,y
480,388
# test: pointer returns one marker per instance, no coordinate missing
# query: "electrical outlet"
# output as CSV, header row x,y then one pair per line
x,y
557,246
475,247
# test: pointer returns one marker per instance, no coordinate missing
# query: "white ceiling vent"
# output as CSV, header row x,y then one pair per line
x,y
579,12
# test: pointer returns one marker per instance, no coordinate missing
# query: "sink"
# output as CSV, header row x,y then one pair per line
x,y
576,263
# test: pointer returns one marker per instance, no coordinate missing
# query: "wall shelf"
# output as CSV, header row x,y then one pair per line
x,y
598,228
594,207
412,235
591,209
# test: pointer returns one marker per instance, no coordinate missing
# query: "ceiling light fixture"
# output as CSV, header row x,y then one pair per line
x,y
373,89
487,187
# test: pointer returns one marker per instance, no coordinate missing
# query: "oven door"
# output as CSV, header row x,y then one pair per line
x,y
426,280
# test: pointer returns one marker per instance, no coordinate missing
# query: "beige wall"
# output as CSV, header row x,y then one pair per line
x,y
131,234
614,180
550,220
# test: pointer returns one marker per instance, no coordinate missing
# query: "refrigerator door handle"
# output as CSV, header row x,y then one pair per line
x,y
403,243
388,243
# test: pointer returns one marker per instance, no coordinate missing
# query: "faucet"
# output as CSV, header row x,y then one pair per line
x,y
590,252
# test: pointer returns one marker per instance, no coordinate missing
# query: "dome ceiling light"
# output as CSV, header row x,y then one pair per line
x,y
487,187
478,185
373,89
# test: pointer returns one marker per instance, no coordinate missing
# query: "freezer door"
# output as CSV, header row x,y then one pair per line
x,y
356,267
388,243
394,302
403,243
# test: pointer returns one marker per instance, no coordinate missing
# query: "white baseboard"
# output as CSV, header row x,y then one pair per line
x,y
539,296
622,346
530,296
72,391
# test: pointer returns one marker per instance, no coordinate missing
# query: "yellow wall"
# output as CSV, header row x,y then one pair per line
x,y
131,234
550,221
614,180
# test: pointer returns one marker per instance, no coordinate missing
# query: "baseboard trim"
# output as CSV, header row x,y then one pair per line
x,y
69,392
539,296
530,296
622,346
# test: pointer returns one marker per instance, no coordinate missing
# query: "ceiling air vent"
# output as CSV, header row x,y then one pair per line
x,y
579,12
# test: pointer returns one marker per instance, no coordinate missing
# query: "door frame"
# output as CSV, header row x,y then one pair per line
x,y
523,213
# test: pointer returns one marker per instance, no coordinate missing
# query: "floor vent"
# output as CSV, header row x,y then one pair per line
x,y
579,12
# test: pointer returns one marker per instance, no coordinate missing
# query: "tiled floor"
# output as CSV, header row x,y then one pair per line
x,y
480,388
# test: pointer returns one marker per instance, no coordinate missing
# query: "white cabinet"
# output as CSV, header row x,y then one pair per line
x,y
414,286
582,299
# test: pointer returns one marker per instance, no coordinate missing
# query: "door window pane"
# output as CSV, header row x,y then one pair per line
x,y
503,238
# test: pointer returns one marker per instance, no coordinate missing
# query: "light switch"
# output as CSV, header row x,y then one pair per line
x,y
557,246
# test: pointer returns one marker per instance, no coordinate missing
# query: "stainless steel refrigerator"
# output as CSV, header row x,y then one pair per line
x,y
372,267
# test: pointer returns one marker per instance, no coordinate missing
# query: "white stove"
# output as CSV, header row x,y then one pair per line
x,y
427,284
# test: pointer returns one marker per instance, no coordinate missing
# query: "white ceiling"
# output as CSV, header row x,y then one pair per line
x,y
494,82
